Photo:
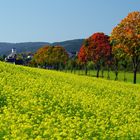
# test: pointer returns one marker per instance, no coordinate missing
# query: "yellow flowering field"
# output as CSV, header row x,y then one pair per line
x,y
48,105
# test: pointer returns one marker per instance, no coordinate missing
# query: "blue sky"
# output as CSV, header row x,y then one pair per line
x,y
59,20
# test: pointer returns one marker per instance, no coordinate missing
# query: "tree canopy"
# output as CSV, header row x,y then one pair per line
x,y
125,38
97,49
51,56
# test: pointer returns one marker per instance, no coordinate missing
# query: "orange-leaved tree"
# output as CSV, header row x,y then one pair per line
x,y
58,57
53,56
127,33
41,56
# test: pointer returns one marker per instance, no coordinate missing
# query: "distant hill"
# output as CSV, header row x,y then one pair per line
x,y
70,45
5,48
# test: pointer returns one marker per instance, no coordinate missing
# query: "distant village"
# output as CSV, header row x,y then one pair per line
x,y
20,59
25,57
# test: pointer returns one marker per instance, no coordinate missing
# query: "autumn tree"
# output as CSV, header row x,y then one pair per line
x,y
127,33
83,55
41,56
58,57
99,49
54,56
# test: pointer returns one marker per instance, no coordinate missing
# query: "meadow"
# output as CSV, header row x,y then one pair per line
x,y
92,73
45,104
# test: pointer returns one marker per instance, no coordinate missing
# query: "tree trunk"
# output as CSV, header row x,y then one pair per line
x,y
86,70
135,66
102,73
116,73
135,76
98,70
78,70
71,70
45,65
97,73
57,67
108,74
74,70
125,75
89,72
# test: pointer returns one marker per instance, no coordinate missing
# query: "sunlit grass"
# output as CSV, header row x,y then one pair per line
x,y
92,73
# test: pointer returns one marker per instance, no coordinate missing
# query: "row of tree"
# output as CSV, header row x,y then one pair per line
x,y
100,51
122,45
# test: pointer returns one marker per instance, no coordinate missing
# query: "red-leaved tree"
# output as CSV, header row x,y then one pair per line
x,y
100,49
83,55
96,48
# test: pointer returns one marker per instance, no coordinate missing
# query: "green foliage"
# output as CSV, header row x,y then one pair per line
x,y
2,57
43,104
2,101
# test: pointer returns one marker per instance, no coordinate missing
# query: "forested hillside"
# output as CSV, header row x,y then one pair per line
x,y
70,45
